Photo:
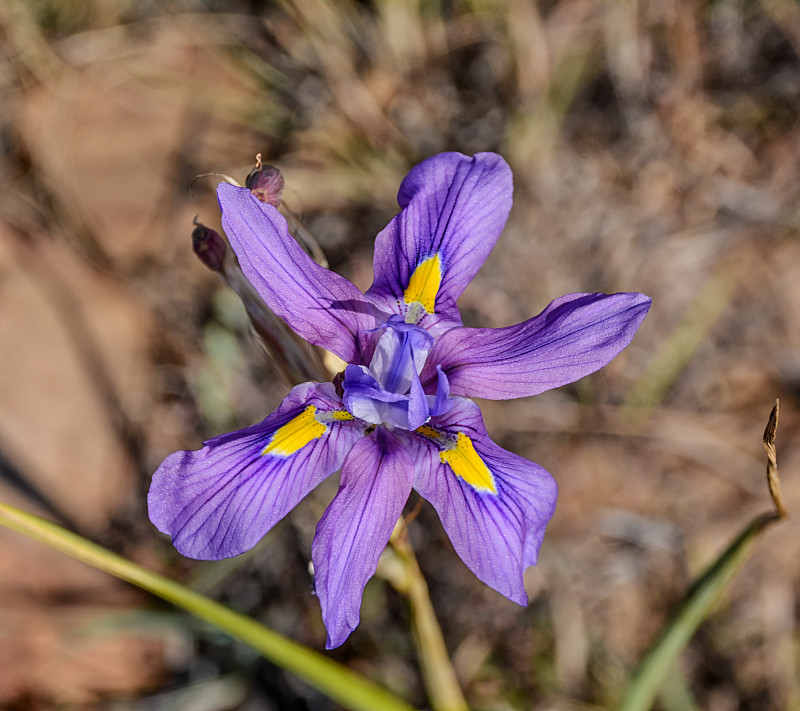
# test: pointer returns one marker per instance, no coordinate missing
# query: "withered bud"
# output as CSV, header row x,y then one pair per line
x,y
338,383
209,246
265,182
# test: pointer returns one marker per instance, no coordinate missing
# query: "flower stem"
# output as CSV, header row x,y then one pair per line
x,y
400,568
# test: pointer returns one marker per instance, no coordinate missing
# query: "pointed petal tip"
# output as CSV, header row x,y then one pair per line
x,y
337,637
228,194
520,597
572,337
228,189
355,528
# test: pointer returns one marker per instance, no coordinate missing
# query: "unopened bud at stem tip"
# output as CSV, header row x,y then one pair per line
x,y
209,246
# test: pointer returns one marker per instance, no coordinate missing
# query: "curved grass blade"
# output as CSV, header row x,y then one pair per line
x,y
334,680
659,659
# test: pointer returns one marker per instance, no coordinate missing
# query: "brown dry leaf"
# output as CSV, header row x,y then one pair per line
x,y
66,656
53,417
109,137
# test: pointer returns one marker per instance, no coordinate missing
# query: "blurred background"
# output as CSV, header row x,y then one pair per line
x,y
655,148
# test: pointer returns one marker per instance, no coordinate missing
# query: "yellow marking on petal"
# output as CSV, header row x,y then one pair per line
x,y
296,433
423,286
442,439
341,415
467,463
429,432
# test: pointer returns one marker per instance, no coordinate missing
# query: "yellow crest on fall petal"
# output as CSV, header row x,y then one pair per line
x,y
430,433
296,433
423,286
467,463
340,416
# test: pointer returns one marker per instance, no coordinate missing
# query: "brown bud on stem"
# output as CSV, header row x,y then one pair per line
x,y
265,182
209,246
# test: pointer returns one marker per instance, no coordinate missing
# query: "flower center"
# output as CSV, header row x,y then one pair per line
x,y
389,391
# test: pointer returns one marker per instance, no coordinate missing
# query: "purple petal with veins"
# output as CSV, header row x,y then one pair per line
x,y
398,414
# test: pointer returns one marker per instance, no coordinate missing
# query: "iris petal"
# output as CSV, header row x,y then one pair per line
x,y
440,404
219,501
375,484
497,534
453,210
321,306
390,392
399,356
574,336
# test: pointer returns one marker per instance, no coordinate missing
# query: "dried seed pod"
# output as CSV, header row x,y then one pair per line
x,y
265,182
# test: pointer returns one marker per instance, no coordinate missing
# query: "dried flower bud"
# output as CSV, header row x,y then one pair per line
x,y
338,383
208,246
265,182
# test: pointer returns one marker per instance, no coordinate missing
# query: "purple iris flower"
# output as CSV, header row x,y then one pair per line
x,y
399,418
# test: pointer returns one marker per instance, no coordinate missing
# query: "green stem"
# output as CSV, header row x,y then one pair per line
x,y
331,678
402,571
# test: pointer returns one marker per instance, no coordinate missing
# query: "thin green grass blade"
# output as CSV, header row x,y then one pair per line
x,y
334,680
657,662
675,694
